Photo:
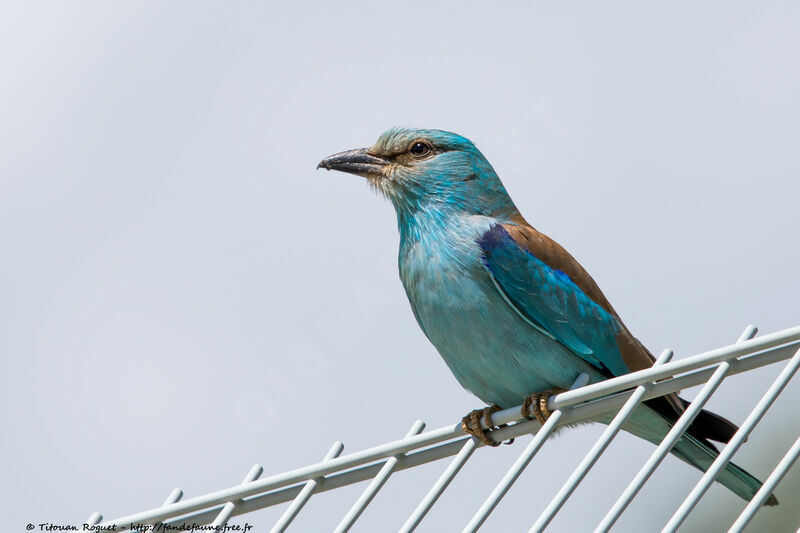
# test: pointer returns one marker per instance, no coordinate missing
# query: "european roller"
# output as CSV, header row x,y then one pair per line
x,y
514,316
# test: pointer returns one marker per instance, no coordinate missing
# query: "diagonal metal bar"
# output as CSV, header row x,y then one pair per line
x,y
302,498
767,488
736,441
439,487
172,497
227,509
599,447
520,464
670,439
376,485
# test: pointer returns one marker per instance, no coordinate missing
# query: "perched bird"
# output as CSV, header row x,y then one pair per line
x,y
514,315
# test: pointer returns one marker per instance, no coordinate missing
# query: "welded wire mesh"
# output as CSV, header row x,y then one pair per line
x,y
581,402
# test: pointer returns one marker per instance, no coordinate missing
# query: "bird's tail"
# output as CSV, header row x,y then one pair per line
x,y
738,480
694,446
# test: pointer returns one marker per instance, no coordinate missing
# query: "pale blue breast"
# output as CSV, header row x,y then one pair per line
x,y
492,352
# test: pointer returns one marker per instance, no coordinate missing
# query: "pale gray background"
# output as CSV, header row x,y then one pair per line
x,y
183,295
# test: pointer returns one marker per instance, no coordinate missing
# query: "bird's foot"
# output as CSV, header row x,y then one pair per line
x,y
537,402
471,424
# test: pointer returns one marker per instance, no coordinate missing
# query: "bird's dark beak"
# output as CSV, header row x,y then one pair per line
x,y
359,162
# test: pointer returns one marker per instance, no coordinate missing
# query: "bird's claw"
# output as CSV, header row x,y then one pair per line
x,y
537,402
471,424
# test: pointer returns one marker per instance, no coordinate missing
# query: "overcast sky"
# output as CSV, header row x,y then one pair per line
x,y
182,295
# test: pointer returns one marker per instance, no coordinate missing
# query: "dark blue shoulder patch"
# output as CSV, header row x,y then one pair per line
x,y
494,237
497,243
497,239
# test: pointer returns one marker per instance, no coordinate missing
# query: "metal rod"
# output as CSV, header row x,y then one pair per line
x,y
172,497
767,488
439,487
748,333
519,465
733,445
227,509
599,447
376,484
305,494
670,439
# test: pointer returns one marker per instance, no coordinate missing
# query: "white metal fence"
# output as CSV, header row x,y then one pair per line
x,y
582,402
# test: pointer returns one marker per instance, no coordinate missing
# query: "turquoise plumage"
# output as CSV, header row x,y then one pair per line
x,y
510,311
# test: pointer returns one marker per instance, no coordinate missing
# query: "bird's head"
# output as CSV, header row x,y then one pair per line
x,y
428,171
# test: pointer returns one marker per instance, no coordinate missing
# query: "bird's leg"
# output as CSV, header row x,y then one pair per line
x,y
471,424
538,403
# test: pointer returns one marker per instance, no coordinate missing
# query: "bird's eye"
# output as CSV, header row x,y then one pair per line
x,y
420,149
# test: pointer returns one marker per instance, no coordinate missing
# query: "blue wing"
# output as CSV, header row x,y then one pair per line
x,y
549,300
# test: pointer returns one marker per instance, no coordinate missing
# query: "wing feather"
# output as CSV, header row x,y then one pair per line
x,y
553,292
